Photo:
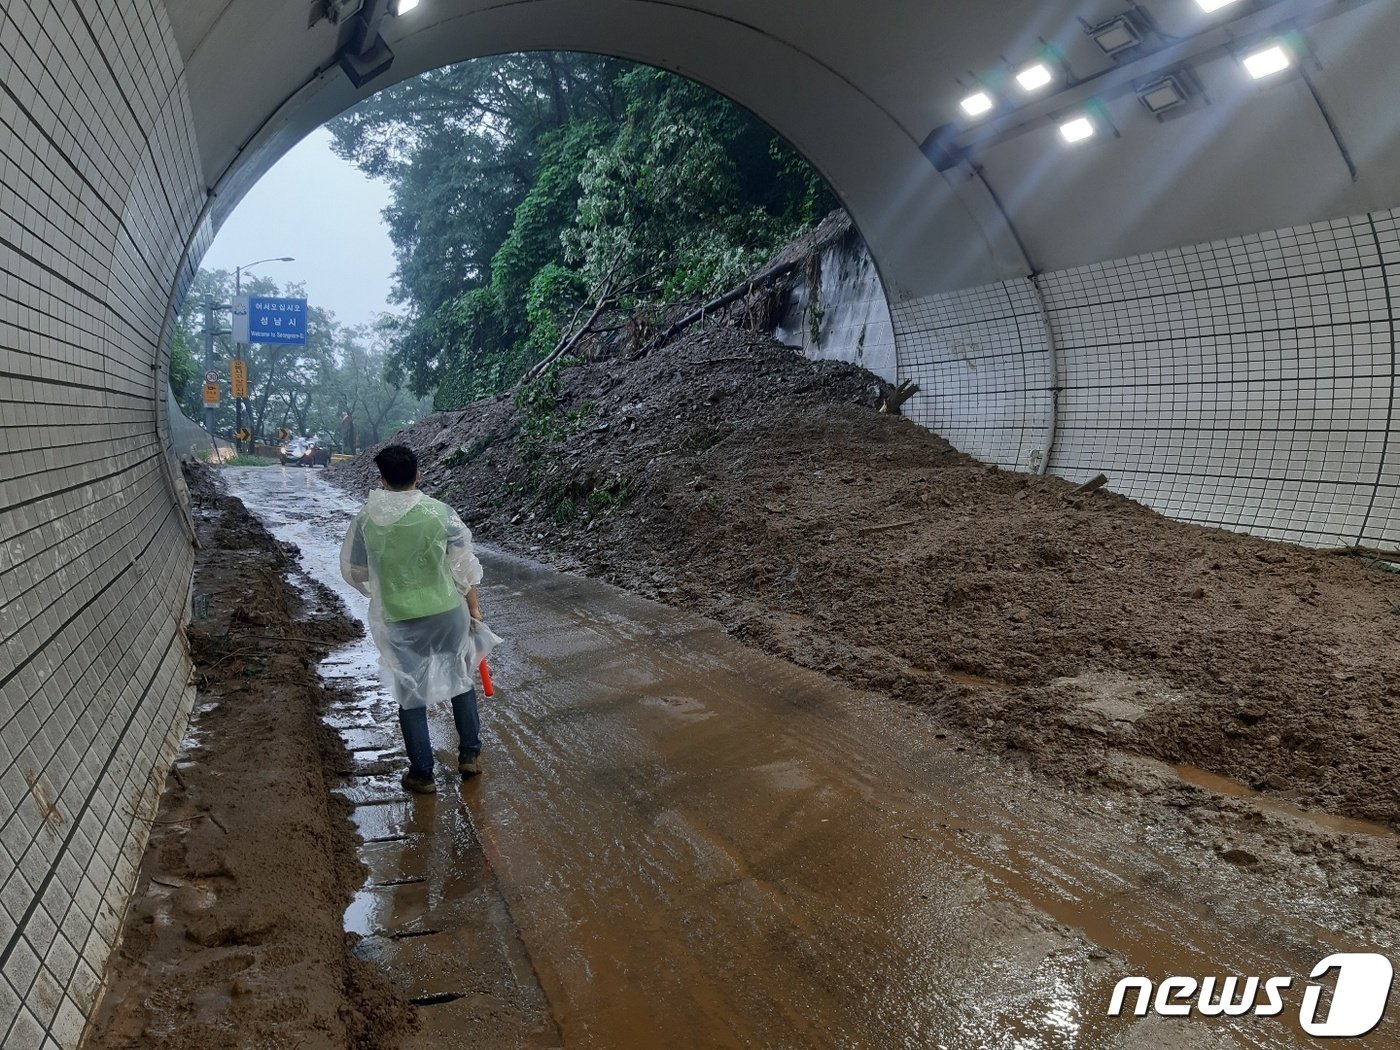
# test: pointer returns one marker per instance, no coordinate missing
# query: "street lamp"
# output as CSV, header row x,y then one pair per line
x,y
238,270
238,347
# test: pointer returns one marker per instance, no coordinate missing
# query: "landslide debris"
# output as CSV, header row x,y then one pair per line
x,y
234,937
727,474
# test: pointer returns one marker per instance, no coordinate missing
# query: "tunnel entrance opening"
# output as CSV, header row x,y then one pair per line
x,y
1017,371
537,205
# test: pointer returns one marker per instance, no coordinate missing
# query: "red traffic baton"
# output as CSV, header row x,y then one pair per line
x,y
485,679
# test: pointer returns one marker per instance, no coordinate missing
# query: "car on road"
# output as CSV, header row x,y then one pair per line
x,y
304,452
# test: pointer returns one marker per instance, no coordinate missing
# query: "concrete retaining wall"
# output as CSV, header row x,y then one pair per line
x,y
849,319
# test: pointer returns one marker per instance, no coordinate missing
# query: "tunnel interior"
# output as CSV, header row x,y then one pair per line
x,y
1199,304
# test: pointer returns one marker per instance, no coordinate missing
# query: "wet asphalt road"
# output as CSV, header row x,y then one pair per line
x,y
680,842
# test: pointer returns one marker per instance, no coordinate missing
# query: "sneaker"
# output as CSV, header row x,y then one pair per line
x,y
469,767
419,785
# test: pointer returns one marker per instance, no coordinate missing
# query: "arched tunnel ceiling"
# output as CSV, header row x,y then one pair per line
x,y
859,87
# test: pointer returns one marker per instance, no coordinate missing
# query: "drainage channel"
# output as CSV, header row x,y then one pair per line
x,y
430,914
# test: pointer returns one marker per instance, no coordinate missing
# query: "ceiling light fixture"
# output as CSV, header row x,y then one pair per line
x,y
1163,95
976,105
403,7
1213,5
1115,35
1034,77
1077,129
1267,61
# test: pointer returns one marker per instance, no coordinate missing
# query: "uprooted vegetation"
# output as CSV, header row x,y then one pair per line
x,y
727,474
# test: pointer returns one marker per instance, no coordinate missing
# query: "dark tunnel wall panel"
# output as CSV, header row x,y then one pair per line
x,y
98,161
1245,383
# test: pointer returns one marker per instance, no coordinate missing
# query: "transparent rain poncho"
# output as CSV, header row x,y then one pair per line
x,y
412,556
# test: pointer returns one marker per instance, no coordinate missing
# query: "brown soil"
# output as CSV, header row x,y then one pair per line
x,y
235,934
729,475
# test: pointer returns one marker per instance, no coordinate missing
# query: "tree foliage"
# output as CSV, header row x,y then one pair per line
x,y
525,187
307,389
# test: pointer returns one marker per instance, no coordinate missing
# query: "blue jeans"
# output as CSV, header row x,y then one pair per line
x,y
468,722
414,723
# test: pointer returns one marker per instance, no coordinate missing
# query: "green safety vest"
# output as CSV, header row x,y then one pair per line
x,y
408,562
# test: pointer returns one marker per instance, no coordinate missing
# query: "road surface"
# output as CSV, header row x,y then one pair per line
x,y
681,842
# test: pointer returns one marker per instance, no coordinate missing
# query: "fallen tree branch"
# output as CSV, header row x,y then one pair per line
x,y
739,291
1089,487
566,342
723,360
569,339
1095,483
1358,551
865,529
895,399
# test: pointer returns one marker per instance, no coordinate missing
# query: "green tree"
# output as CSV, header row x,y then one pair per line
x,y
184,367
547,209
460,148
367,406
691,185
307,389
526,186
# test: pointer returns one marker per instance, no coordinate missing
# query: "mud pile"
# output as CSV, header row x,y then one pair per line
x,y
235,936
728,475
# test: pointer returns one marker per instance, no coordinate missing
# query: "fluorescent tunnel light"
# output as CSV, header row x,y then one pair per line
x,y
1163,95
976,105
403,7
1034,77
1077,129
1213,5
1116,35
1267,61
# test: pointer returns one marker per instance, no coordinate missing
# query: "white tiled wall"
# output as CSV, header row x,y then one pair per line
x,y
100,190
982,360
1245,383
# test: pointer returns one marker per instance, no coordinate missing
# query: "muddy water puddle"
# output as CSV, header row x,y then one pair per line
x,y
1234,789
680,842
430,913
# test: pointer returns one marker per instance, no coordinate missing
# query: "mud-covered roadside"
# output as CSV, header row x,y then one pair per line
x,y
234,937
729,475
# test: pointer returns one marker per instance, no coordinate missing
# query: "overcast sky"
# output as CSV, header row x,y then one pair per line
x,y
320,210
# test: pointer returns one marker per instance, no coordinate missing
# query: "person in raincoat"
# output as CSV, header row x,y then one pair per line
x,y
412,556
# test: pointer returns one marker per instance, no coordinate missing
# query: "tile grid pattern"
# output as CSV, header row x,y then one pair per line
x,y
1246,383
982,360
100,170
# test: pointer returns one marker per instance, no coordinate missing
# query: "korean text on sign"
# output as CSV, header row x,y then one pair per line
x,y
238,378
276,320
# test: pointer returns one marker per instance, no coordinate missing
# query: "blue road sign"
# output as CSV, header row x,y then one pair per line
x,y
272,320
